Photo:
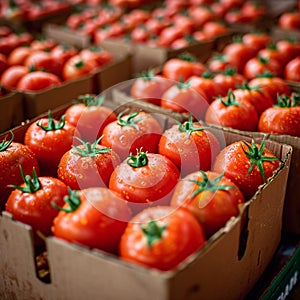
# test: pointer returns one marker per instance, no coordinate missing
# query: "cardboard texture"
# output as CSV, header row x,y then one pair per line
x,y
227,267
11,111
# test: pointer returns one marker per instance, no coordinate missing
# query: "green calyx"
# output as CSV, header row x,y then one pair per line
x,y
285,101
246,87
4,144
265,74
79,64
208,185
31,184
91,100
130,120
147,75
73,201
138,160
230,71
153,232
188,127
230,99
52,126
263,60
88,149
256,157
187,57
183,85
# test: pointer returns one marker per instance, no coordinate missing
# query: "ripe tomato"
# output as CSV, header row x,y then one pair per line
x,y
30,202
183,98
289,20
292,70
271,52
211,197
11,76
94,218
19,55
132,132
87,165
213,29
282,118
89,116
37,81
3,63
289,47
156,25
201,14
161,237
248,165
43,44
259,40
231,112
218,63
98,54
49,139
169,34
190,146
145,179
62,52
182,68
13,155
150,87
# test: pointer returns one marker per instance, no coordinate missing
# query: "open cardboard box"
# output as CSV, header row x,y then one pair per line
x,y
227,267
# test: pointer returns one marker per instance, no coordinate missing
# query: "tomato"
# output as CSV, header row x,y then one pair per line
x,y
94,218
271,52
145,179
259,40
190,146
30,202
37,80
183,98
271,85
218,63
169,34
161,237
292,70
289,20
19,55
257,97
211,197
200,36
49,139
253,10
98,54
43,44
89,116
3,63
132,132
9,43
149,87
258,65
62,52
184,22
12,75
13,155
238,53
289,47
247,164
182,42
201,14
213,29
229,79
282,118
5,30
182,68
231,112
156,25
76,67
87,165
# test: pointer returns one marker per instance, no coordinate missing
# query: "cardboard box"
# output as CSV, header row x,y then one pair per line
x,y
11,110
227,267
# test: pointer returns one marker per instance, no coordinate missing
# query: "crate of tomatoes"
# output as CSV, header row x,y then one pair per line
x,y
162,208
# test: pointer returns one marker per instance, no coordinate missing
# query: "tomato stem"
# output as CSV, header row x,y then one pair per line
x,y
89,150
230,100
73,201
153,231
5,144
139,160
130,120
188,126
285,101
91,100
51,126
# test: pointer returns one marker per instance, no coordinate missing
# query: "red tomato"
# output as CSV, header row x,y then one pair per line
x,y
182,68
30,202
183,98
253,10
201,14
282,118
89,117
156,25
248,165
49,139
161,237
132,132
289,20
290,48
98,54
259,40
190,146
63,52
13,155
169,34
218,63
12,75
43,44
145,179
94,218
292,70
3,63
37,80
231,112
87,165
211,197
271,52
213,29
150,87
19,55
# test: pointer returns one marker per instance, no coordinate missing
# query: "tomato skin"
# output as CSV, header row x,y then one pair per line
x,y
289,20
233,162
37,81
35,209
10,159
3,63
289,48
81,172
189,152
292,70
19,55
128,139
97,54
98,222
49,146
211,208
182,237
279,120
63,52
11,76
218,63
259,40
146,185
